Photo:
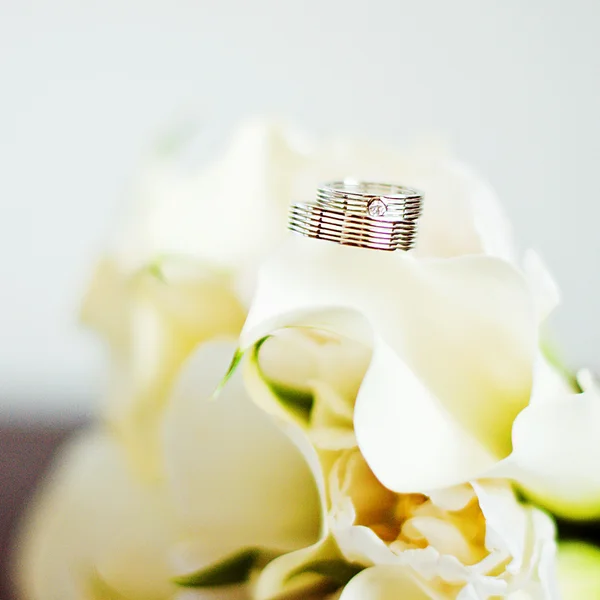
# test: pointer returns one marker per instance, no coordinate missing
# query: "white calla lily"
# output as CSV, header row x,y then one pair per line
x,y
456,384
456,404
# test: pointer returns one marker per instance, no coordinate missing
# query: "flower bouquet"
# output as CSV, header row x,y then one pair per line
x,y
289,418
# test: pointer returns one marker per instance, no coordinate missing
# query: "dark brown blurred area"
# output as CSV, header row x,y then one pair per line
x,y
26,451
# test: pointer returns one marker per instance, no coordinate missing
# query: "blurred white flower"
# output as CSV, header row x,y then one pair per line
x,y
233,480
153,319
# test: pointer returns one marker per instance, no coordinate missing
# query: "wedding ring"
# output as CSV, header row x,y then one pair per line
x,y
380,216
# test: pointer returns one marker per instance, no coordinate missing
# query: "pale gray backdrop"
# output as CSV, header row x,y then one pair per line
x,y
512,84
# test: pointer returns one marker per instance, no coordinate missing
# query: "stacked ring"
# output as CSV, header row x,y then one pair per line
x,y
379,216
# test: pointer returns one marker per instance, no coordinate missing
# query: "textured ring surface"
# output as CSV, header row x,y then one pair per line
x,y
379,216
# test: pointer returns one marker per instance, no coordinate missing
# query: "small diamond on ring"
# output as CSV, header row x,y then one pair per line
x,y
377,208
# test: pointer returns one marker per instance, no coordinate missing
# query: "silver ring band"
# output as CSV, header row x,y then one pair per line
x,y
379,216
376,199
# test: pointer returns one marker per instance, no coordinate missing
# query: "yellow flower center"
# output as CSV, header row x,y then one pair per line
x,y
451,521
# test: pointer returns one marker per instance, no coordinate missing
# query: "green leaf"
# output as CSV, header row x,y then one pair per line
x,y
155,269
298,402
295,400
235,362
231,570
338,571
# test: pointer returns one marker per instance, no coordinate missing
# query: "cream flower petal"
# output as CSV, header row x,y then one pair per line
x,y
204,214
459,401
395,414
384,583
236,478
523,533
506,521
95,522
557,452
461,214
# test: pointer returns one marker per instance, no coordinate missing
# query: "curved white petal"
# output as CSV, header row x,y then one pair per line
x,y
523,533
549,381
470,383
506,520
384,583
462,214
557,452
410,440
236,478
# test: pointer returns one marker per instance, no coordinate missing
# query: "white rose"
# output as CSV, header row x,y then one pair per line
x,y
472,540
469,542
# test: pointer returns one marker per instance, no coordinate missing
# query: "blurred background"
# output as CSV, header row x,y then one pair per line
x,y
85,86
